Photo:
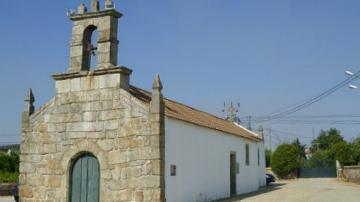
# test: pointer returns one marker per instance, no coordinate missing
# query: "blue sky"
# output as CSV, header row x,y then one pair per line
x,y
263,54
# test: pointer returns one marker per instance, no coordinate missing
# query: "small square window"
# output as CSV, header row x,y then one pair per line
x,y
172,170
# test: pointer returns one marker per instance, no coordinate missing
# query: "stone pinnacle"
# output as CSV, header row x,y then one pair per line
x,y
157,85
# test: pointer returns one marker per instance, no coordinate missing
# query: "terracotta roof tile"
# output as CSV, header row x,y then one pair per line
x,y
188,114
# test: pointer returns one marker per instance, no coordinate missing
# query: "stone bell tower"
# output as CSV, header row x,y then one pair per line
x,y
84,24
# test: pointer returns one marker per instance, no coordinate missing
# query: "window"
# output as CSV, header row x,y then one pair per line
x,y
258,155
172,170
247,155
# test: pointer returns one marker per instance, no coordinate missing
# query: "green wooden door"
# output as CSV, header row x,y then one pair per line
x,y
85,179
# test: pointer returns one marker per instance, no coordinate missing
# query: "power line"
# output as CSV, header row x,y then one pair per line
x,y
344,119
294,108
290,134
274,134
315,116
310,122
327,116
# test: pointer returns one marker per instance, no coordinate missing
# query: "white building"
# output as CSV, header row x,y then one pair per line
x,y
199,148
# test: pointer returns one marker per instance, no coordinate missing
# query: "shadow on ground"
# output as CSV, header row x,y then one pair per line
x,y
271,187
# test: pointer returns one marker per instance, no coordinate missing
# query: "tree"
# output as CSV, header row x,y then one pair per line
x,y
341,151
355,151
300,148
320,158
356,140
326,139
285,160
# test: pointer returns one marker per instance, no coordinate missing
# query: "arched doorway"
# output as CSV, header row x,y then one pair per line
x,y
85,179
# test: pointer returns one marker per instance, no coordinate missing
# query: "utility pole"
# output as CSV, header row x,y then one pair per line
x,y
270,140
249,127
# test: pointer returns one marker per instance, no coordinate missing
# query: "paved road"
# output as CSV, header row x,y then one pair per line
x,y
302,190
6,199
305,190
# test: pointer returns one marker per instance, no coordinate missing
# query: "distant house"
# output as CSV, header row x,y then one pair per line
x,y
307,152
102,139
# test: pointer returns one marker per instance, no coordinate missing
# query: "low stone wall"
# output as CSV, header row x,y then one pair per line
x,y
5,189
351,173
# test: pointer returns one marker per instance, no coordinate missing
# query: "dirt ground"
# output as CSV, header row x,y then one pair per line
x,y
301,190
7,199
304,190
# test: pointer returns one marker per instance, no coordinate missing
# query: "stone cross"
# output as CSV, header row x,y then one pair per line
x,y
95,6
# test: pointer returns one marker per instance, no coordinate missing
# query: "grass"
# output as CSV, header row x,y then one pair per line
x,y
6,177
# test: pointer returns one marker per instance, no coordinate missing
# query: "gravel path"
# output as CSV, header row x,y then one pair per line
x,y
305,190
301,190
6,199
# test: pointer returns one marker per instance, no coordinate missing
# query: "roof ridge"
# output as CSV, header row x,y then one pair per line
x,y
186,105
198,117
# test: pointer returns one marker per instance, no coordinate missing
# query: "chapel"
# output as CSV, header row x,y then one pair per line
x,y
102,139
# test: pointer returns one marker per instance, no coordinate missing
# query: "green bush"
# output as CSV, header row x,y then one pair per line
x,y
9,163
355,151
285,161
6,177
9,167
341,151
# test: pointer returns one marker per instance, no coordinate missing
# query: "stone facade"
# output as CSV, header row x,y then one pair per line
x,y
93,112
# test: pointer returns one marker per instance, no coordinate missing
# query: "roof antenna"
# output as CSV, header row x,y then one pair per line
x,y
232,112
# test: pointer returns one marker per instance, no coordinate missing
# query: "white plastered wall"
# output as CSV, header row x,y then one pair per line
x,y
202,159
